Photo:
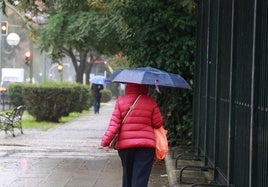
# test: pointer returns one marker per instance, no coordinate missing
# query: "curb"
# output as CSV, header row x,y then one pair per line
x,y
171,171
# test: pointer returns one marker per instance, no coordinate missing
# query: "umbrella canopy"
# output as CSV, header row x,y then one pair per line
x,y
99,80
149,76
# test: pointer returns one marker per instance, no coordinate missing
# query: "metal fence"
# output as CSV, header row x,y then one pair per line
x,y
231,90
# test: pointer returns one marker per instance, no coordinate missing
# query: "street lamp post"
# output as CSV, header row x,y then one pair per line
x,y
60,69
13,40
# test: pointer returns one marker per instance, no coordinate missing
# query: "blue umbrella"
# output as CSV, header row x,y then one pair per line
x,y
149,76
98,79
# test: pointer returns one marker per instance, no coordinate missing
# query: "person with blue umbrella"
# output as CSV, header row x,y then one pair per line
x,y
96,94
96,87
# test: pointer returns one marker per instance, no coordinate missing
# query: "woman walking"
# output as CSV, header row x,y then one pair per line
x,y
136,140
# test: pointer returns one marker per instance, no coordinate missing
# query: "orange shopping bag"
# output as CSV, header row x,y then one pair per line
x,y
161,148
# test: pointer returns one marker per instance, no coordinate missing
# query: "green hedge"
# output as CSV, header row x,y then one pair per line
x,y
106,95
51,100
15,94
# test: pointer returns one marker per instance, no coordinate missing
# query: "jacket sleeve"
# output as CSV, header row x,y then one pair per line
x,y
157,118
113,127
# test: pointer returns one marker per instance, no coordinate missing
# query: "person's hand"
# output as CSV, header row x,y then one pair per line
x,y
106,149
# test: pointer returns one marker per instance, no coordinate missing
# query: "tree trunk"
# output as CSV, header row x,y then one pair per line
x,y
79,75
89,67
81,68
92,56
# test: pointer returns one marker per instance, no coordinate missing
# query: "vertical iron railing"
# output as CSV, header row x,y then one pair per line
x,y
231,90
260,128
224,78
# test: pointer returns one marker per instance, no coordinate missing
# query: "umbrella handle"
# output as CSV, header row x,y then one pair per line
x,y
156,86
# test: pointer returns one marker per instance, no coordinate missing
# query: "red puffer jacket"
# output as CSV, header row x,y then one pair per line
x,y
137,130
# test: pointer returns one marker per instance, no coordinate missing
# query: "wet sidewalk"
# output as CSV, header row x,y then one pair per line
x,y
68,155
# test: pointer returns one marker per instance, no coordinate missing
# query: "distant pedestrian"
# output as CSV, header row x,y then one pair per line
x,y
96,94
136,140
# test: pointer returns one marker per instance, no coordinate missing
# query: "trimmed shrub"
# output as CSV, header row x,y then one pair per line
x,y
106,95
15,94
51,100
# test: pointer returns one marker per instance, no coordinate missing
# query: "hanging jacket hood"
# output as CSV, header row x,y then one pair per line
x,y
132,88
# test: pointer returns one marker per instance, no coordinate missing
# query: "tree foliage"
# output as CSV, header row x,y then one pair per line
x,y
161,34
80,29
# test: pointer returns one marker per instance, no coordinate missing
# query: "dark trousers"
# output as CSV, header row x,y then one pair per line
x,y
96,104
137,165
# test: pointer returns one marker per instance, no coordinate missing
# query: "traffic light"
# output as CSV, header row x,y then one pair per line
x,y
4,28
27,57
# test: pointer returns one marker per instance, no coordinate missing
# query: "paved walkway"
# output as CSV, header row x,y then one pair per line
x,y
68,155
